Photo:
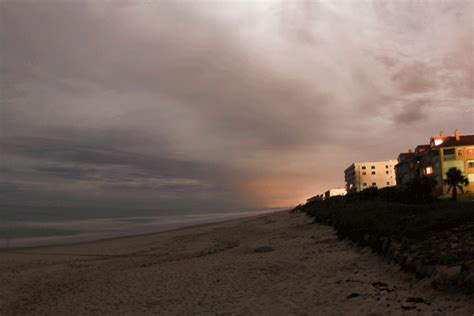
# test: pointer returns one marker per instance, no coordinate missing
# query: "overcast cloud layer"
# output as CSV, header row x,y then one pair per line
x,y
221,104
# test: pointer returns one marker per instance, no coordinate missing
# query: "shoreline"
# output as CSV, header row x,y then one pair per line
x,y
277,263
106,239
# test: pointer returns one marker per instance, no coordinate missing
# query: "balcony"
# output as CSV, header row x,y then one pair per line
x,y
449,157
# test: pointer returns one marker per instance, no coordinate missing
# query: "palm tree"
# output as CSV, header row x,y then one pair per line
x,y
455,179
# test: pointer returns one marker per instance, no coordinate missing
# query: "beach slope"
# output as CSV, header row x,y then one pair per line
x,y
277,263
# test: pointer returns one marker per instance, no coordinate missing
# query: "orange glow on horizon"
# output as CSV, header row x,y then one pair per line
x,y
280,192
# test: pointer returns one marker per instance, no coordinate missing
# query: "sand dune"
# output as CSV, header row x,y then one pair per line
x,y
277,264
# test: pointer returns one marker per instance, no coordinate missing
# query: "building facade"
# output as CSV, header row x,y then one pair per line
x,y
435,159
334,192
410,164
362,175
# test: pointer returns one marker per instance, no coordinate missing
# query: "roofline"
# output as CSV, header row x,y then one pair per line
x,y
382,161
452,146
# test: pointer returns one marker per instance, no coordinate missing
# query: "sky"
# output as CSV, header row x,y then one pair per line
x,y
221,105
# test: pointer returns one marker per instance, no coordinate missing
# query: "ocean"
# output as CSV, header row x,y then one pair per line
x,y
28,227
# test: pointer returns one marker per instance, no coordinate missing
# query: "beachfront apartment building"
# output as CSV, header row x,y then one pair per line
x,y
362,175
334,192
410,164
436,158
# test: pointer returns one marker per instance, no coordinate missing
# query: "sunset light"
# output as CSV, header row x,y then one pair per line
x,y
236,157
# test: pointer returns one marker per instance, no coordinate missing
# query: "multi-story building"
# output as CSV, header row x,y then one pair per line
x,y
334,192
362,175
410,164
434,160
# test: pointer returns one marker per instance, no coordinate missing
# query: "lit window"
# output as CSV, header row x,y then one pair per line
x,y
470,177
429,170
438,142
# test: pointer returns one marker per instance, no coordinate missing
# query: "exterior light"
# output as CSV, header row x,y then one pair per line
x,y
429,170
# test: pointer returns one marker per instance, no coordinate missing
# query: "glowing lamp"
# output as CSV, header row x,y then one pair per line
x,y
428,170
438,142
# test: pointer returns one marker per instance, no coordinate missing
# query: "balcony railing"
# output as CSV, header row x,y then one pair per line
x,y
449,157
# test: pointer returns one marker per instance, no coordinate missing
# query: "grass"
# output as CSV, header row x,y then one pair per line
x,y
442,232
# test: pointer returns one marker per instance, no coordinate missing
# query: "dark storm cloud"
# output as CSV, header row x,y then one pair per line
x,y
63,152
414,78
185,58
75,173
412,111
59,159
155,102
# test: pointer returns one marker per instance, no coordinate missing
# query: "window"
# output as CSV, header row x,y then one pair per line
x,y
373,172
470,163
374,184
386,172
364,184
363,167
364,173
386,167
388,183
449,154
373,167
470,177
429,170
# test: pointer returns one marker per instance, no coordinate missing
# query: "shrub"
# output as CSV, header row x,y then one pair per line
x,y
374,213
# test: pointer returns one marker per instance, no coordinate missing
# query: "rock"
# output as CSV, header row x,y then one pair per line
x,y
382,287
379,284
417,300
352,295
263,249
405,307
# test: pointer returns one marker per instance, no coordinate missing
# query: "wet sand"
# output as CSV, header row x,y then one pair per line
x,y
276,264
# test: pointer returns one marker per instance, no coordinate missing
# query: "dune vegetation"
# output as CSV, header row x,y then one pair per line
x,y
436,232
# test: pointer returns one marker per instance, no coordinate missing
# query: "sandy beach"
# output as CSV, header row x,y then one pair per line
x,y
276,264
